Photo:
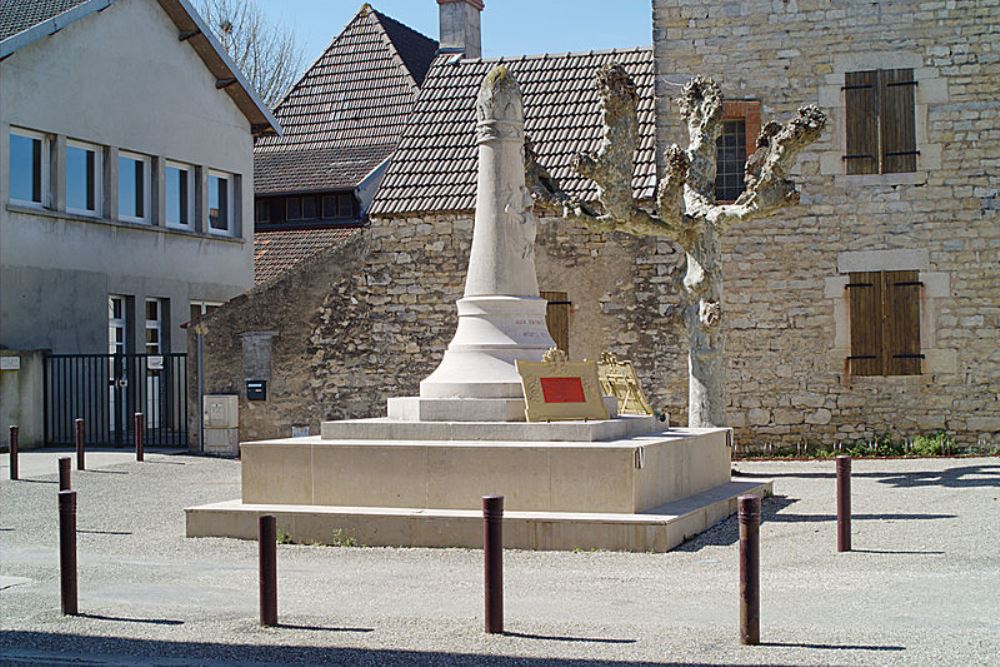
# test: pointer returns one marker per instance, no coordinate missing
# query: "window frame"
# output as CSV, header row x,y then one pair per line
x,y
889,330
190,204
879,81
230,229
147,171
749,112
43,168
98,184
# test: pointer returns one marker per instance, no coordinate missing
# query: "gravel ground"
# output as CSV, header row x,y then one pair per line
x,y
920,588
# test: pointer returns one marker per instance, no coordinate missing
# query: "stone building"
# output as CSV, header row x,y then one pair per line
x,y
873,306
870,308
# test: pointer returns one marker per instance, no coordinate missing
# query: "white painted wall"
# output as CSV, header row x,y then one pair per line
x,y
120,78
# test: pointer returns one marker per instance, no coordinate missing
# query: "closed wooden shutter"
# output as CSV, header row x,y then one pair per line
x,y
902,322
861,96
898,127
557,318
865,292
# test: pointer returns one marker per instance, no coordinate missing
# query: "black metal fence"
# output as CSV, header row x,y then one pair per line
x,y
106,390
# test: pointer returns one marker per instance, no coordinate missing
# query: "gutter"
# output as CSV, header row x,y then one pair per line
x,y
51,26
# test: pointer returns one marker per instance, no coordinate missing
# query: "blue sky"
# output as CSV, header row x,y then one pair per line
x,y
555,26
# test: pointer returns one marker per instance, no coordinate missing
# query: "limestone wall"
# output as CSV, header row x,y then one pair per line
x,y
788,328
369,320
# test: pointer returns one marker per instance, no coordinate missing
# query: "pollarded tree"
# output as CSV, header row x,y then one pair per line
x,y
685,207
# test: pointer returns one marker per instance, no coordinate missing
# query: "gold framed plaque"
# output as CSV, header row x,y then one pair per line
x,y
618,379
558,389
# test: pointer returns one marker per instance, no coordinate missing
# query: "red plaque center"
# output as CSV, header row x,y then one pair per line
x,y
563,390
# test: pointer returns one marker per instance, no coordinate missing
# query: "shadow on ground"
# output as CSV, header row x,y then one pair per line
x,y
17,647
952,478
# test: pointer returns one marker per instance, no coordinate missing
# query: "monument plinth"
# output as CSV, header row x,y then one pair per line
x,y
416,477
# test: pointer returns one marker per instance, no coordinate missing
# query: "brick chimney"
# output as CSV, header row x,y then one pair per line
x,y
460,27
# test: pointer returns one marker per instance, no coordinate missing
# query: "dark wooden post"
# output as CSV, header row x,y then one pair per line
x,y
13,451
139,432
64,473
843,503
749,507
80,454
493,568
67,552
267,535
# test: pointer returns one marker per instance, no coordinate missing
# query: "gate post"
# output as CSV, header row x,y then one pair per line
x,y
140,433
13,452
80,454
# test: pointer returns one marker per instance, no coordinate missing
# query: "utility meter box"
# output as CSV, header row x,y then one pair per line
x,y
222,411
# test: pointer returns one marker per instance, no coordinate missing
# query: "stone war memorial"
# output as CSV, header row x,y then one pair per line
x,y
416,477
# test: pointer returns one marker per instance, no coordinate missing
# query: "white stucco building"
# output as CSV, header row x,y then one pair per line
x,y
126,196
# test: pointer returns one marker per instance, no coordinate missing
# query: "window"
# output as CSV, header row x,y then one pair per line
x,y
881,127
338,206
28,168
83,178
117,324
179,195
133,187
220,210
201,308
557,317
885,323
736,142
262,211
293,208
154,325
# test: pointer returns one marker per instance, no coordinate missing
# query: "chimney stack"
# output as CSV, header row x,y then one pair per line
x,y
460,27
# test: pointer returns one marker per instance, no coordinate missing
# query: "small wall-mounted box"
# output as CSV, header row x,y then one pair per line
x,y
221,411
256,390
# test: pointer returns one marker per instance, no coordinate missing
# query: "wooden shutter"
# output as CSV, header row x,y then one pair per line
x,y
898,126
557,318
861,97
865,292
902,322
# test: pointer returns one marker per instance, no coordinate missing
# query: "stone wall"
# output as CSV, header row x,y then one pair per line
x,y
785,308
372,318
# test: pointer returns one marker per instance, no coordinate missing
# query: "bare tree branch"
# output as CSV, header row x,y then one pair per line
x,y
267,54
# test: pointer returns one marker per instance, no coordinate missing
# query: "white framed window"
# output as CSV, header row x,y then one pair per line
x,y
117,324
220,204
83,178
133,187
200,308
154,325
179,185
28,168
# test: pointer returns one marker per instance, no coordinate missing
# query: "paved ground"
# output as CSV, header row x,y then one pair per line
x,y
921,587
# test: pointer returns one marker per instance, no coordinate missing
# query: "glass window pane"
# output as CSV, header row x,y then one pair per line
x,y
293,208
152,310
178,202
25,168
218,202
329,207
129,187
309,208
80,179
346,206
262,208
731,155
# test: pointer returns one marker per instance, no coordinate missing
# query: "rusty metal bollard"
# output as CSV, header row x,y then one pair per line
x,y
13,451
80,454
749,507
493,567
67,552
267,537
139,431
843,503
64,473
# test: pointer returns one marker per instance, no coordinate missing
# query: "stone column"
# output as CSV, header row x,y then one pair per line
x,y
501,317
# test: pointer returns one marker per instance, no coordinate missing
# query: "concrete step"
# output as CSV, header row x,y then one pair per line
x,y
658,530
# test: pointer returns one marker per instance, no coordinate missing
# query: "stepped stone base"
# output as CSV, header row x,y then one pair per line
x,y
659,530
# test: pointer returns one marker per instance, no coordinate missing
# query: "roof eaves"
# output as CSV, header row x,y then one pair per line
x,y
51,26
266,120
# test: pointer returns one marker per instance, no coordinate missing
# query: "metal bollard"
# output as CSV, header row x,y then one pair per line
x,y
139,429
843,503
13,451
493,568
64,473
67,552
267,535
749,507
80,454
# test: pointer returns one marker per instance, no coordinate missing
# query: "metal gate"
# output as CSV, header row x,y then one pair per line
x,y
106,390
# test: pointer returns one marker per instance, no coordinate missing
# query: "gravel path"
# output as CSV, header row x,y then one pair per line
x,y
921,587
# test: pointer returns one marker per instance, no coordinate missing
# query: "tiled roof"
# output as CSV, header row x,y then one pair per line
x,y
276,252
19,15
434,168
357,95
316,169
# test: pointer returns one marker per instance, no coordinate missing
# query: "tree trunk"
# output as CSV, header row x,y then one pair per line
x,y
703,317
